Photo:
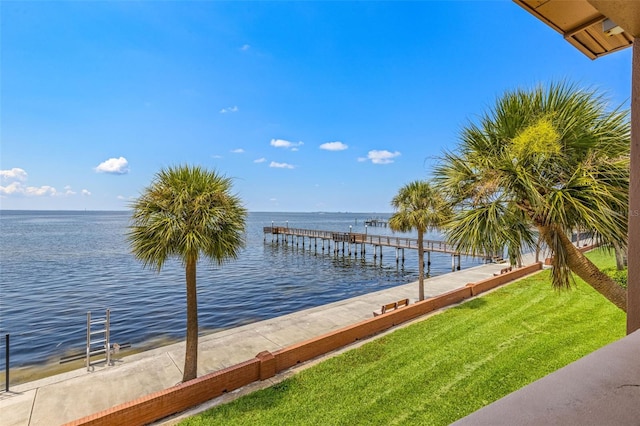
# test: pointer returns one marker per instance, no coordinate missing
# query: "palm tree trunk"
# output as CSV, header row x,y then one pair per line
x,y
620,256
585,269
191,351
420,265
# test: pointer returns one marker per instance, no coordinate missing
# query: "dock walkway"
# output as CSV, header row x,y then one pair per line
x,y
376,222
342,240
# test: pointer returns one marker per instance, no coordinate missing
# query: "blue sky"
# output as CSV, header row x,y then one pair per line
x,y
308,106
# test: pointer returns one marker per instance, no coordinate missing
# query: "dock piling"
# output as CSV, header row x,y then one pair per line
x,y
280,235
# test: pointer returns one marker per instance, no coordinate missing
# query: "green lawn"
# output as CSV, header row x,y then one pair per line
x,y
441,369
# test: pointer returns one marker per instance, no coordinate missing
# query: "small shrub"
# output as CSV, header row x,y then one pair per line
x,y
619,276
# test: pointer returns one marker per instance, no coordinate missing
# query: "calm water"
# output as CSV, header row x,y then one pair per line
x,y
56,266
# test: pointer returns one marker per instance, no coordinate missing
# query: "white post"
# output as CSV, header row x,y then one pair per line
x,y
633,271
107,332
88,340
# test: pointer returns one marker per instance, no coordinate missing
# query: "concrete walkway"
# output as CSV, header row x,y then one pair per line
x,y
62,398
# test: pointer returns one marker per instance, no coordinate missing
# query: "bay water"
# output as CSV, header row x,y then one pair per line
x,y
57,265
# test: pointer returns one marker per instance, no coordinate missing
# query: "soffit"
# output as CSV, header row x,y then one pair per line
x,y
580,22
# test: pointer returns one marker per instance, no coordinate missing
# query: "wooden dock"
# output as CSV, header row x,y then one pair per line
x,y
344,242
376,222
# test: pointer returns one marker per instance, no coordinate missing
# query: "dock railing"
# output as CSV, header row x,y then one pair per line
x,y
371,239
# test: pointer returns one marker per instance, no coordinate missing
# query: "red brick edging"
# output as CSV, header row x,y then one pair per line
x,y
181,397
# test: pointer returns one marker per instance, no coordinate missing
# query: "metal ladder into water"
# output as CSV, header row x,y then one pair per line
x,y
98,340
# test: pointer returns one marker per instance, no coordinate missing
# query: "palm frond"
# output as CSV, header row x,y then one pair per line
x,y
547,156
418,206
187,212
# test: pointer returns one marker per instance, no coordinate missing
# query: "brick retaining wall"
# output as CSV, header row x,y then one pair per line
x,y
265,365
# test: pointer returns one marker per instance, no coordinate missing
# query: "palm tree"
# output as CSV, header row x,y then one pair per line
x,y
418,206
187,212
545,161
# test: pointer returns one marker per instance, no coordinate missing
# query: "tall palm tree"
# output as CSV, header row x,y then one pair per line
x,y
418,206
547,161
187,212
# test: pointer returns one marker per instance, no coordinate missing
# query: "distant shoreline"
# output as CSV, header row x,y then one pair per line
x,y
250,211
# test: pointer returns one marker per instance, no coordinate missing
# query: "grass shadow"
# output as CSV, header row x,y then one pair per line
x,y
473,304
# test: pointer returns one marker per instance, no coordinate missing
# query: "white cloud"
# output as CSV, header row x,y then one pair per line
x,y
260,160
39,191
16,186
15,174
229,109
86,193
381,157
281,165
217,157
281,143
116,166
334,146
13,188
15,179
245,47
237,151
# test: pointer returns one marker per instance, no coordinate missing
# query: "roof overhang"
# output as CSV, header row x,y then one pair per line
x,y
581,22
